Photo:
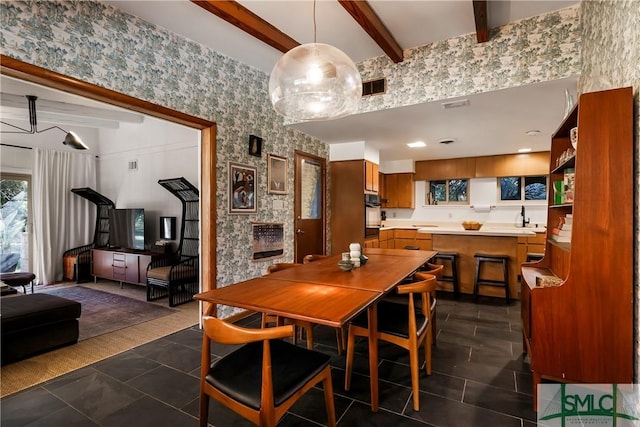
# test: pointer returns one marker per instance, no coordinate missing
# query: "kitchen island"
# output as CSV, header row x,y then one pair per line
x,y
498,239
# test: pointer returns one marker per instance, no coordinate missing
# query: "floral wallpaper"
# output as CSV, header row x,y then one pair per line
x,y
611,58
97,43
542,48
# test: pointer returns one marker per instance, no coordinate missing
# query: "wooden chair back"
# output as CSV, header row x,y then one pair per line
x,y
313,257
268,414
281,266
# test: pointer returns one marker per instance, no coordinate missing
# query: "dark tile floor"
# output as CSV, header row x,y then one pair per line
x,y
479,379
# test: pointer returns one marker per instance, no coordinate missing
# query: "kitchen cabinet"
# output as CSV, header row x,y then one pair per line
x,y
371,178
577,302
522,164
386,239
372,243
121,266
347,204
399,191
534,244
404,237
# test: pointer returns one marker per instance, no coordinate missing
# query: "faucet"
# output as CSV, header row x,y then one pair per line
x,y
525,221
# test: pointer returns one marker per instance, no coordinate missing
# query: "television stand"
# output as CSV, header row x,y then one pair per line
x,y
121,265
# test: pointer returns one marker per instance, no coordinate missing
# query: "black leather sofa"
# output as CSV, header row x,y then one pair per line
x,y
37,323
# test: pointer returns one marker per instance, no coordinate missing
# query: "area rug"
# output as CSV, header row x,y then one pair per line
x,y
104,312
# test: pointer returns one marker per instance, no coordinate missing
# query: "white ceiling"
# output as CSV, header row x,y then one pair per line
x,y
493,123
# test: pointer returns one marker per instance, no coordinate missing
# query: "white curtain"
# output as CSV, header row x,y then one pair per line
x,y
61,219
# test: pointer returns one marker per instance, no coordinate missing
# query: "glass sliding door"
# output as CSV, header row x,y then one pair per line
x,y
15,222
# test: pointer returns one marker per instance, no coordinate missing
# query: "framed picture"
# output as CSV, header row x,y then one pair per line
x,y
268,240
242,188
255,145
277,174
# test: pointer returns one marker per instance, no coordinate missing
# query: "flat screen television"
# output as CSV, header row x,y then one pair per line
x,y
126,228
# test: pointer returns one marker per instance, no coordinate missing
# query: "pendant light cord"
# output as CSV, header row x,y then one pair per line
x,y
314,21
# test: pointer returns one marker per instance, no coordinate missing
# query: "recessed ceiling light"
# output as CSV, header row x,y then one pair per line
x,y
417,144
533,132
524,150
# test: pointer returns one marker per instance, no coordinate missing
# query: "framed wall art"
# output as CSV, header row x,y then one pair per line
x,y
268,240
242,189
255,145
277,174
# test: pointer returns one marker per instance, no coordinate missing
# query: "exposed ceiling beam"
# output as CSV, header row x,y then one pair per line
x,y
241,17
373,25
480,16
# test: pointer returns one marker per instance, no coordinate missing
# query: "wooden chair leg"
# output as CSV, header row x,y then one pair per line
x,y
204,409
434,328
328,398
415,373
427,351
309,330
340,340
351,342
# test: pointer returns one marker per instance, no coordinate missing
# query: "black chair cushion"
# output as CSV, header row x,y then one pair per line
x,y
393,319
239,374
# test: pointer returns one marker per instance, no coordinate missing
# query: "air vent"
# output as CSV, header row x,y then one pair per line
x,y
133,165
374,87
446,141
455,104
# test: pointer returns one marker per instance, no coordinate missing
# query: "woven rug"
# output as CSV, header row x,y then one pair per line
x,y
104,312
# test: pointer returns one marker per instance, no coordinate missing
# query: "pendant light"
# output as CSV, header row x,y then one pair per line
x,y
315,81
71,139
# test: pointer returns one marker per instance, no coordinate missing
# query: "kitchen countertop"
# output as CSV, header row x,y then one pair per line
x,y
457,229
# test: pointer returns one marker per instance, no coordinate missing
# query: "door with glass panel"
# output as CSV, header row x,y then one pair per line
x,y
309,211
15,224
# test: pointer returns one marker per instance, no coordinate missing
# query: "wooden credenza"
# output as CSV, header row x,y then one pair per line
x,y
580,330
123,266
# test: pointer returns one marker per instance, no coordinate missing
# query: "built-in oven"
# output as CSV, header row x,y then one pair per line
x,y
372,219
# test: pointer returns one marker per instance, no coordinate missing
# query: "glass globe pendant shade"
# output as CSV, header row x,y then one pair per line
x,y
315,81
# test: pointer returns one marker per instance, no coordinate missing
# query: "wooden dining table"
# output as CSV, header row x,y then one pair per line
x,y
319,292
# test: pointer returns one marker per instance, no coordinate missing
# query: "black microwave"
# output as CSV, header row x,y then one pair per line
x,y
372,200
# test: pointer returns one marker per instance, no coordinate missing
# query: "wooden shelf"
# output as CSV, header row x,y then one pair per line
x,y
565,246
569,163
581,331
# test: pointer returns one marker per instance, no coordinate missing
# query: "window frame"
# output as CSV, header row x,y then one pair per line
x,y
447,184
522,199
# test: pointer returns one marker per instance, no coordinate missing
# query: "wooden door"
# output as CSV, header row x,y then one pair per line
x,y
310,205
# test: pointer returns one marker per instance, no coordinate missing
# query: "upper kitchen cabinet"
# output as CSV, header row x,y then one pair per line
x,y
371,180
512,165
398,191
525,164
430,170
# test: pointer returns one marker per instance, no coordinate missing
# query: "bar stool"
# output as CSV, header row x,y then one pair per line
x,y
534,256
478,281
452,258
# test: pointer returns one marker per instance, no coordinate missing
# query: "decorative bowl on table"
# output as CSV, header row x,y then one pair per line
x,y
345,265
471,225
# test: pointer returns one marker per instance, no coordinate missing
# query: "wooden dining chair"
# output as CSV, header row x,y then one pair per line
x,y
269,318
313,257
428,269
262,379
404,325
